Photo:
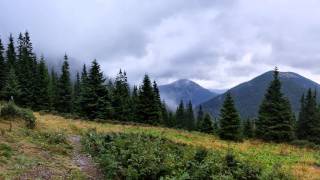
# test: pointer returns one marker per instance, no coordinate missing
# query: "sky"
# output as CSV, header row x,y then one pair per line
x,y
216,43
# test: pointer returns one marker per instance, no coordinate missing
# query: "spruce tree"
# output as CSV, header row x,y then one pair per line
x,y
275,116
43,96
85,96
190,120
164,114
200,116
248,128
308,126
206,125
98,101
64,89
180,115
76,94
11,53
134,104
11,89
148,110
230,127
121,97
53,90
26,66
3,70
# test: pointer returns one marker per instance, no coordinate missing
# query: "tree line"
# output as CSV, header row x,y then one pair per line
x,y
27,80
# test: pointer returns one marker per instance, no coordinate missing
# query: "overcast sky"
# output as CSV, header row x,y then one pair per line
x,y
215,43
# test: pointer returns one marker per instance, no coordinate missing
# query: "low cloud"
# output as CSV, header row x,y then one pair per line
x,y
216,43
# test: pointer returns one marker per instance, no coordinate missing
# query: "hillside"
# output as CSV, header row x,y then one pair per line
x,y
249,95
185,90
47,152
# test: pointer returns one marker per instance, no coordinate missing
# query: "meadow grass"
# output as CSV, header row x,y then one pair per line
x,y
303,163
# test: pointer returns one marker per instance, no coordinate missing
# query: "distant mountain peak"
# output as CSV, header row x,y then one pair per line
x,y
186,90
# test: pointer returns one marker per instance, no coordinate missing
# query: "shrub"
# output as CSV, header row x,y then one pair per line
x,y
10,111
142,156
305,144
5,150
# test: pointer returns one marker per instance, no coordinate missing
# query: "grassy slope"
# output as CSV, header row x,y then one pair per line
x,y
303,163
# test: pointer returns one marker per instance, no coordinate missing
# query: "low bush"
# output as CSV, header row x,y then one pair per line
x,y
5,150
305,144
10,111
141,156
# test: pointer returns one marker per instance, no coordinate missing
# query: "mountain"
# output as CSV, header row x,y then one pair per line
x,y
185,90
249,95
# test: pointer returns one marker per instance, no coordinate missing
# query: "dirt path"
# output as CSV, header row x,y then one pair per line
x,y
84,161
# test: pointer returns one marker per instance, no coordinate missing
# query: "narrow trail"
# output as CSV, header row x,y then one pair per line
x,y
84,161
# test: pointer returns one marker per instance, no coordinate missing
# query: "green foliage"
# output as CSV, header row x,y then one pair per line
x,y
148,107
248,128
11,90
275,121
308,125
230,124
180,115
64,103
5,150
205,125
141,156
11,111
3,69
121,98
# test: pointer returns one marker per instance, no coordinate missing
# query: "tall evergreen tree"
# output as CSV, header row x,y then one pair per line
x,y
76,94
121,97
148,109
190,120
43,96
11,53
180,115
230,127
206,125
308,126
134,104
11,90
64,89
99,104
26,71
3,70
53,90
248,128
275,116
200,116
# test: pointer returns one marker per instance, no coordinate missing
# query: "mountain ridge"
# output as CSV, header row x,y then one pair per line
x,y
184,89
249,95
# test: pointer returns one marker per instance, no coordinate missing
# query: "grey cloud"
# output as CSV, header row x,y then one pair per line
x,y
217,43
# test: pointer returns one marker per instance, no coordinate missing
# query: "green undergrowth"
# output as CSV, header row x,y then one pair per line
x,y
145,156
10,111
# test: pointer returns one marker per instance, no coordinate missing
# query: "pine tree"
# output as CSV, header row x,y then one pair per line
x,y
43,96
148,110
275,116
76,94
3,69
206,125
180,115
26,66
85,96
64,89
98,101
11,90
190,120
53,90
121,98
230,127
248,128
200,116
164,114
134,104
11,53
308,126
